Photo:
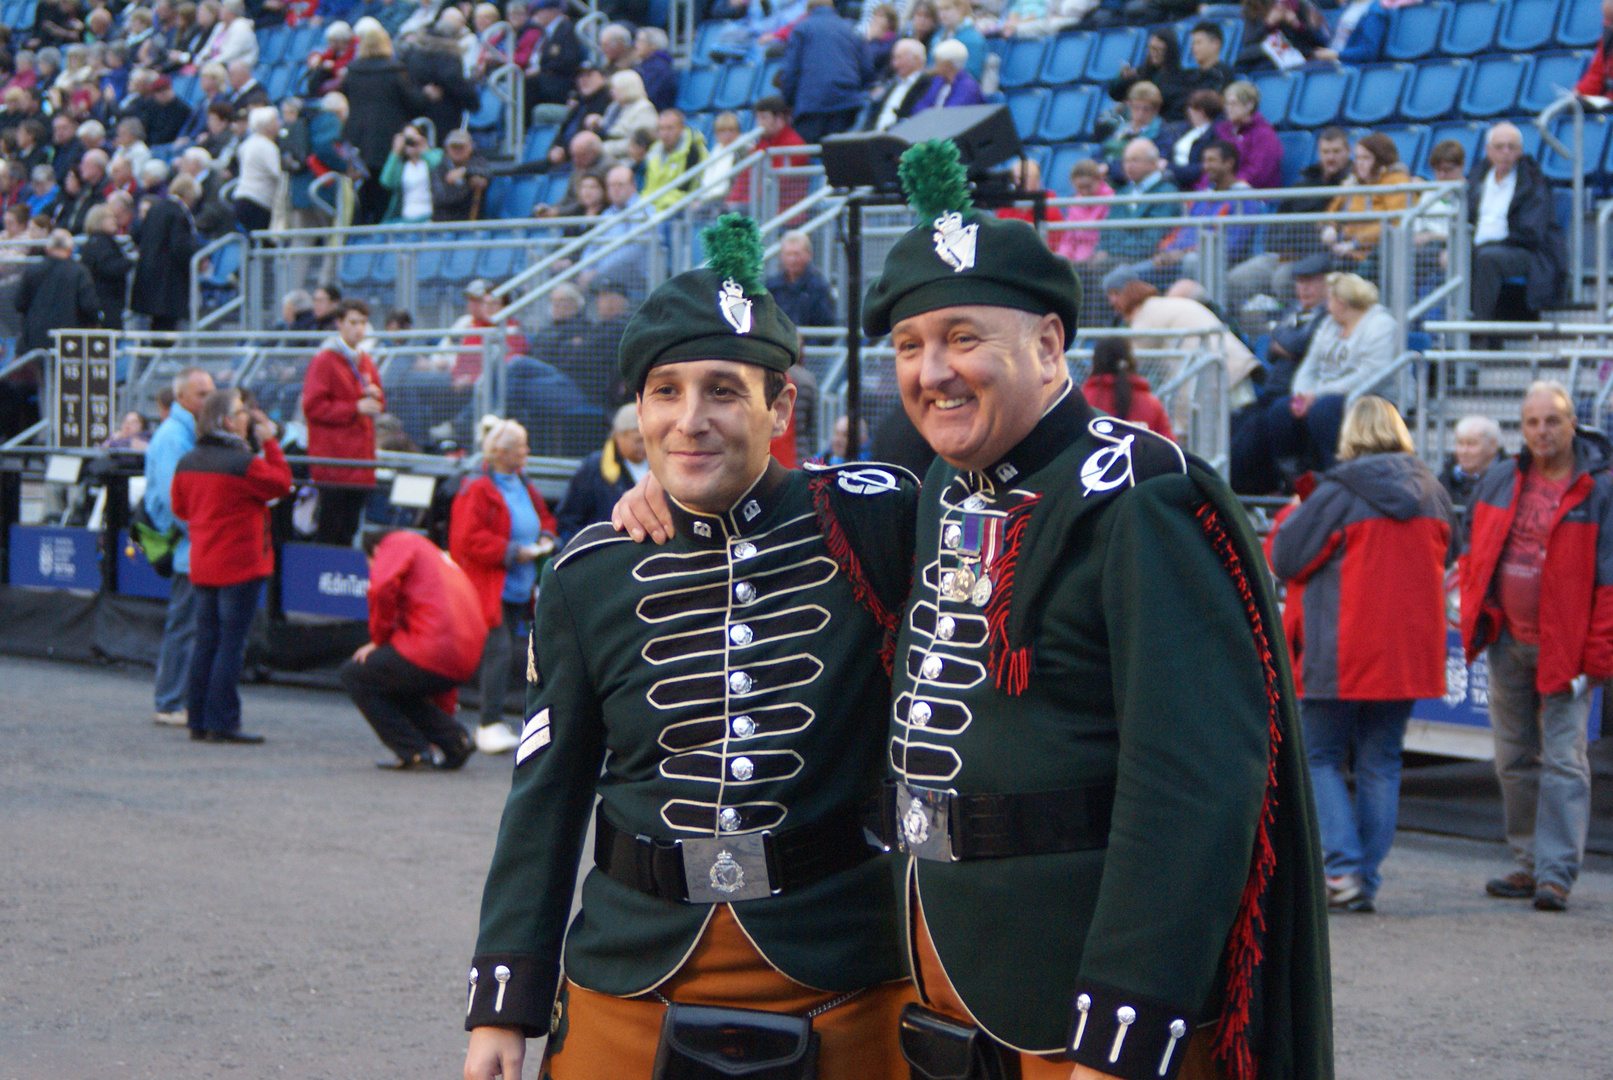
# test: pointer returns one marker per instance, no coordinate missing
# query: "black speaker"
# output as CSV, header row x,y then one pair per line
x,y
985,136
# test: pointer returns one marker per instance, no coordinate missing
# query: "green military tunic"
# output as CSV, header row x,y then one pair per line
x,y
1084,620
725,684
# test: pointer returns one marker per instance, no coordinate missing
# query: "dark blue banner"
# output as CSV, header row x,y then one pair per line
x,y
47,557
135,575
319,580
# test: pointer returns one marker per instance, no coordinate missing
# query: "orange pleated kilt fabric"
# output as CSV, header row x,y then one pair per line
x,y
612,1038
938,994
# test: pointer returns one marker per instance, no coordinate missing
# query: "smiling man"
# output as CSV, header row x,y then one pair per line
x,y
724,696
1098,786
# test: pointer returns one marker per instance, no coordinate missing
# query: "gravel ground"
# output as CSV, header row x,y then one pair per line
x,y
179,910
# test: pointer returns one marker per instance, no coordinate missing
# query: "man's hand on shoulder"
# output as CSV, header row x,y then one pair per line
x,y
496,1053
643,511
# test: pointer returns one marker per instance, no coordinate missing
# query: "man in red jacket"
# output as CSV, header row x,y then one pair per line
x,y
1537,595
1598,78
341,397
426,634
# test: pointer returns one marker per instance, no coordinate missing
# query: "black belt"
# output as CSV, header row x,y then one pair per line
x,y
949,827
739,866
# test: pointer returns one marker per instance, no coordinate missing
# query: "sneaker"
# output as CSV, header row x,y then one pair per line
x,y
1551,897
1341,890
1361,905
1518,885
177,718
496,739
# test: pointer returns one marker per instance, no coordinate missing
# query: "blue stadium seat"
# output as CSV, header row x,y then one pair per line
x,y
1561,169
488,114
1069,114
1527,25
278,82
305,38
705,123
1113,49
1581,24
272,44
519,200
1056,177
1026,108
1022,63
1376,93
1433,89
696,88
764,78
495,263
1299,150
1320,97
460,265
493,198
353,267
1414,31
1493,84
555,186
428,264
706,37
1530,133
537,142
1470,28
1470,134
1276,94
1066,59
1553,74
734,88
186,90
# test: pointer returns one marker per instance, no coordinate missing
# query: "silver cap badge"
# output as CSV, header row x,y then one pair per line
x,y
735,308
955,241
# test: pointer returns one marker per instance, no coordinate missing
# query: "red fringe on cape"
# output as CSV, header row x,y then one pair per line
x,y
1245,944
862,590
1009,666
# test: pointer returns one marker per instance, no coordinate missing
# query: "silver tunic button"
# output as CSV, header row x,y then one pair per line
x,y
740,634
974,502
949,582
952,536
739,682
945,627
744,592
744,550
742,768
728,820
744,727
931,668
919,714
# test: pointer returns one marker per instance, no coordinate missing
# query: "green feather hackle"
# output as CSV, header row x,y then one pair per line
x,y
933,177
734,250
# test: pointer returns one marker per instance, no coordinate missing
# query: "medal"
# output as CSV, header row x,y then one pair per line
x,y
980,595
963,584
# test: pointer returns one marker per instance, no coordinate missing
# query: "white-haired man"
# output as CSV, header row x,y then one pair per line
x,y
1515,233
1478,446
1537,600
901,92
603,477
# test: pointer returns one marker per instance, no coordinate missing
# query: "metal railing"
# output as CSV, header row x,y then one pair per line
x,y
1576,156
1604,221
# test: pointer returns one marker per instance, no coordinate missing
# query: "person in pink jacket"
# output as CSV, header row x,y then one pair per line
x,y
1077,245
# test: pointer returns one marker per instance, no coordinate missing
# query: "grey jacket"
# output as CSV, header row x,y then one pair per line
x,y
1333,364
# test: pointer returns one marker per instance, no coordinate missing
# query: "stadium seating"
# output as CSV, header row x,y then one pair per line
x,y
1056,176
1299,150
1580,26
1069,114
1066,59
1414,31
1551,76
1113,49
735,86
1022,63
1493,85
1276,94
1561,169
1433,89
1320,97
698,86
1527,26
1411,140
1376,94
1470,28
1470,134
1026,108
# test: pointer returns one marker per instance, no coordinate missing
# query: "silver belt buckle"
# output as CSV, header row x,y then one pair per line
x,y
922,822
722,870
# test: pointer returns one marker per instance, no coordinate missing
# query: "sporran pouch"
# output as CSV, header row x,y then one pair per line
x,y
939,1048
702,1042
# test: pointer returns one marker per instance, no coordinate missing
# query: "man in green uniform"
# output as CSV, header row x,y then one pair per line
x,y
724,696
1110,854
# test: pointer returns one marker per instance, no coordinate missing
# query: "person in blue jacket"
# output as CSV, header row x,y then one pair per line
x,y
824,73
175,437
956,25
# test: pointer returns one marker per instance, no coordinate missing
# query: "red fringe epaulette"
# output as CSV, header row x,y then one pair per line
x,y
1245,942
862,590
1009,666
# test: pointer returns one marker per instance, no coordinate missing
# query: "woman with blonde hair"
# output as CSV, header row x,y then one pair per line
x,y
630,111
381,99
1364,558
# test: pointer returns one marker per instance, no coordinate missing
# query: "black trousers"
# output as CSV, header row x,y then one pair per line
x,y
812,127
251,216
1492,265
340,510
393,694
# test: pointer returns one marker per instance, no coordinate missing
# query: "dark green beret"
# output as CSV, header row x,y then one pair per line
x,y
701,315
972,258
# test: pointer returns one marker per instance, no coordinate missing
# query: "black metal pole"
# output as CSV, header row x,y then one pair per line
x,y
114,520
854,318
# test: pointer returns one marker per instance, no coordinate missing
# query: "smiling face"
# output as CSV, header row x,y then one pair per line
x,y
975,380
1366,165
706,426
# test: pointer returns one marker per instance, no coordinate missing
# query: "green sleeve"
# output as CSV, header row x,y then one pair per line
x,y
527,900
1193,723
392,172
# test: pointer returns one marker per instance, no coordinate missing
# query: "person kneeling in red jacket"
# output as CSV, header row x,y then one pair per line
x,y
426,632
222,490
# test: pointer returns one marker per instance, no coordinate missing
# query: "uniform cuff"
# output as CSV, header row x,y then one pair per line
x,y
1126,1035
512,990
